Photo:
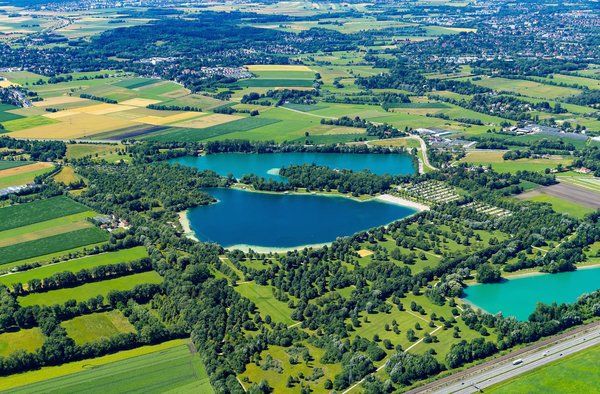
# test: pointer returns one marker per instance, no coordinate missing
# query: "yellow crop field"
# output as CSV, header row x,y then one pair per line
x,y
67,175
103,109
77,125
208,120
24,169
159,121
6,83
139,102
58,100
277,67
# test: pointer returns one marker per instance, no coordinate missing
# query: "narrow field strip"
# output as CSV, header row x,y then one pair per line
x,y
89,290
47,373
55,243
76,265
38,211
45,229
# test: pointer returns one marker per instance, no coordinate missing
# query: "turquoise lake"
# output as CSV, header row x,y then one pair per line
x,y
518,297
242,218
267,165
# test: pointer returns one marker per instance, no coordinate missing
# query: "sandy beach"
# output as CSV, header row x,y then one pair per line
x,y
185,223
273,249
402,201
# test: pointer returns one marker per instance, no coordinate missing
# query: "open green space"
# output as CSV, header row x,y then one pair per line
x,y
52,244
266,302
85,369
577,373
76,265
89,328
6,164
175,368
28,340
495,160
563,206
191,135
37,211
89,290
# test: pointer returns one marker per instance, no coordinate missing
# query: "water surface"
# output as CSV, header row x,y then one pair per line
x,y
267,164
242,218
518,297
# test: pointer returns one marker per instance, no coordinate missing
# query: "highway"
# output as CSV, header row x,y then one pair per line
x,y
488,374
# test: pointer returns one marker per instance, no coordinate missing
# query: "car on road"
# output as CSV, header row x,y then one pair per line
x,y
518,361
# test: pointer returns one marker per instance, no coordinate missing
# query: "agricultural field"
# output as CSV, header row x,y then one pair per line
x,y
75,265
138,367
559,204
526,87
89,290
23,175
495,160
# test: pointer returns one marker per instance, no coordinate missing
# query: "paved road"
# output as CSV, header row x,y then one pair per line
x,y
484,376
423,149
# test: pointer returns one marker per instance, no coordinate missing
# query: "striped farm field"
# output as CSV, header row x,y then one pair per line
x,y
89,290
6,164
52,244
76,265
591,183
38,211
89,328
22,175
45,229
175,369
37,381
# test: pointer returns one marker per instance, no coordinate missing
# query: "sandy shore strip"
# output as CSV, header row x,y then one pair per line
x,y
185,223
402,201
274,249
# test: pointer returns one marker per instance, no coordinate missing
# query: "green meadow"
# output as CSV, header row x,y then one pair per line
x,y
28,340
89,290
38,211
52,244
89,328
76,265
151,369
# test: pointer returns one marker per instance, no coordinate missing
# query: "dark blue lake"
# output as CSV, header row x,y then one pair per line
x,y
267,164
242,218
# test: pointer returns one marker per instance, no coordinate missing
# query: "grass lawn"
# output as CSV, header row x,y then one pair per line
x,y
52,378
89,290
28,340
562,205
577,373
38,211
75,265
266,302
89,328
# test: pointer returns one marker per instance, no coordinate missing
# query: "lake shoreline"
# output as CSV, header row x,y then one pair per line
x,y
388,198
274,249
185,224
